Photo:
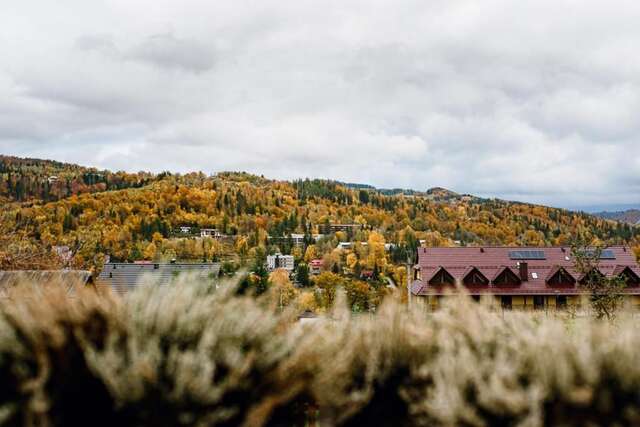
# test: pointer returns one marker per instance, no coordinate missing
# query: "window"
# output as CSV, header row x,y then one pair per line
x,y
561,302
442,277
507,278
592,277
506,302
630,277
476,298
538,302
561,278
475,278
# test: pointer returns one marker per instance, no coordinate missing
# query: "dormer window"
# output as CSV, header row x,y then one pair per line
x,y
591,277
559,276
627,273
506,277
474,277
441,277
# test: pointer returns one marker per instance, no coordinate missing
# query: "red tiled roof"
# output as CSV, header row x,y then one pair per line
x,y
491,261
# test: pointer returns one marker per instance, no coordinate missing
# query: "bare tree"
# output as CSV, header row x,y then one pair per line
x,y
18,252
605,293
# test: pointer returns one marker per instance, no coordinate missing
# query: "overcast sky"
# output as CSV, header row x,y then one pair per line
x,y
528,100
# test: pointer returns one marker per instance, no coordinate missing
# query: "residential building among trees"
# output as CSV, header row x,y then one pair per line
x,y
518,277
280,261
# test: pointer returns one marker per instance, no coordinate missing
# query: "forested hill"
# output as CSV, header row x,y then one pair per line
x,y
34,179
139,220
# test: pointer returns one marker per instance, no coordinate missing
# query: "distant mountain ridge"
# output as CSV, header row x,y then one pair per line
x,y
435,193
631,216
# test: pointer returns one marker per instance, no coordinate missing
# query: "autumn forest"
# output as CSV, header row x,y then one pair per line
x,y
47,205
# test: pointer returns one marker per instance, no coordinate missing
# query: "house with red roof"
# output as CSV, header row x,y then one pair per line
x,y
517,277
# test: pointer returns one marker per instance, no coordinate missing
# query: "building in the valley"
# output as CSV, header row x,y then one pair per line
x,y
185,229
315,266
69,281
345,245
280,261
297,239
124,277
211,233
518,277
334,228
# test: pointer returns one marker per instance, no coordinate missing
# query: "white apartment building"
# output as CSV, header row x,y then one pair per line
x,y
280,261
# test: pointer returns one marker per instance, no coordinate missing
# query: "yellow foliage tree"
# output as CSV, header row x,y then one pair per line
x,y
352,260
282,290
327,284
150,252
307,302
377,255
157,239
310,253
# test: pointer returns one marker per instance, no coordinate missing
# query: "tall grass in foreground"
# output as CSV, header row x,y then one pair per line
x,y
189,355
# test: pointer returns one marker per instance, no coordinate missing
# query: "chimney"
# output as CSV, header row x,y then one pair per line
x,y
524,271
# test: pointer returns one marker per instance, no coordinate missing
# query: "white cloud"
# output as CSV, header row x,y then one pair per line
x,y
537,101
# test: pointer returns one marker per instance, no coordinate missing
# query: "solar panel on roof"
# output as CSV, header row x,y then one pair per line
x,y
604,254
607,254
527,254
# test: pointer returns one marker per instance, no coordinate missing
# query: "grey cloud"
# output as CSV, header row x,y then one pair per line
x,y
165,50
487,99
97,42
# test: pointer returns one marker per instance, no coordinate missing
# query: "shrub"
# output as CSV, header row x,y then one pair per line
x,y
193,355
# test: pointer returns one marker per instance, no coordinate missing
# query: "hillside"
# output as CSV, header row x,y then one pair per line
x,y
140,222
34,179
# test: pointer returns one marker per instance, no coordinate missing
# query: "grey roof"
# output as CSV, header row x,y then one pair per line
x,y
124,277
68,280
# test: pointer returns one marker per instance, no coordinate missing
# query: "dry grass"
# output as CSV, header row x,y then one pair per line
x,y
192,355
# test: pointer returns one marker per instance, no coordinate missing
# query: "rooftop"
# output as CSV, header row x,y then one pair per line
x,y
68,280
492,261
123,277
